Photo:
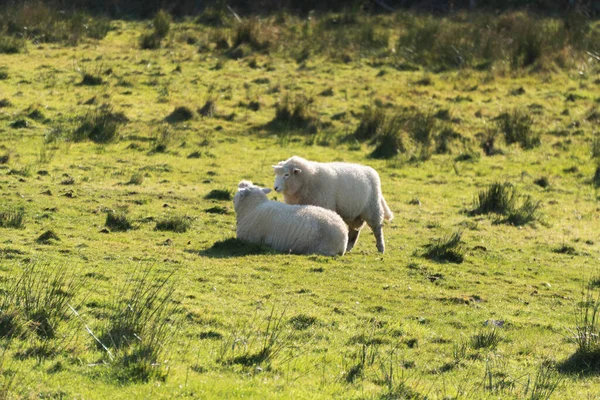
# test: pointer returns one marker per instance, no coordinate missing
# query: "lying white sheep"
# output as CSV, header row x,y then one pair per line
x,y
286,228
351,190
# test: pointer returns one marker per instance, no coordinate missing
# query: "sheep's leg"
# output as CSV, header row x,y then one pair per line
x,y
378,232
353,232
352,238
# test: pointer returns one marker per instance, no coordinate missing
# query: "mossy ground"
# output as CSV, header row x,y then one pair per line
x,y
408,312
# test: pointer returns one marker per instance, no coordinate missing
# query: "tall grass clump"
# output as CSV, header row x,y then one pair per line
x,y
498,198
585,335
11,44
39,300
516,128
248,345
40,22
162,25
371,123
100,126
595,146
348,35
407,131
596,177
117,221
12,217
8,378
447,249
487,338
545,382
250,32
295,114
529,211
514,40
141,324
502,199
175,224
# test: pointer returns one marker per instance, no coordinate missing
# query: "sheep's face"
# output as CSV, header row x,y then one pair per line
x,y
286,179
247,190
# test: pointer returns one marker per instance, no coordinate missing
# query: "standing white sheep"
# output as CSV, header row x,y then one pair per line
x,y
351,190
287,228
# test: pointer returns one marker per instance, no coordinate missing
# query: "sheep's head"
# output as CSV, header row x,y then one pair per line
x,y
247,190
286,178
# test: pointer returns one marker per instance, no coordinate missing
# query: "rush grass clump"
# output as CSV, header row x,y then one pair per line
x,y
486,338
502,199
12,217
141,323
409,131
585,335
162,25
40,297
447,249
11,45
294,114
43,23
175,224
117,221
100,125
498,198
371,123
250,346
516,128
233,247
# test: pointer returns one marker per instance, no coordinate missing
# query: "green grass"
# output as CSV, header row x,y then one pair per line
x,y
416,97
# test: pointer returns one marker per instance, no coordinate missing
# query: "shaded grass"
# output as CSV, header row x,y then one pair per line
x,y
41,22
233,247
179,114
219,194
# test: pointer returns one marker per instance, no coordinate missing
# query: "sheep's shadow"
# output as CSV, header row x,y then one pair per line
x,y
233,247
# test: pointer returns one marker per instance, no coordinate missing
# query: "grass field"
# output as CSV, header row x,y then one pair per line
x,y
119,278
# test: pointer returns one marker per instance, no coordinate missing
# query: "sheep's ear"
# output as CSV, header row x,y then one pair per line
x,y
244,184
266,190
277,167
297,171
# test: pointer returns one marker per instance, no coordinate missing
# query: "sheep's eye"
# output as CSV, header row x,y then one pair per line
x,y
286,175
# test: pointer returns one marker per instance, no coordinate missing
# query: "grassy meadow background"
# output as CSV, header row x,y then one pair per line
x,y
122,143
